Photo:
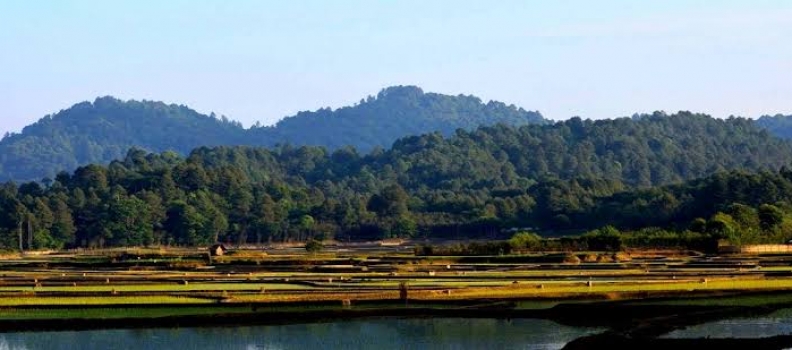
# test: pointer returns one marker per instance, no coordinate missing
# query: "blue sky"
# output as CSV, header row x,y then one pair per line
x,y
263,60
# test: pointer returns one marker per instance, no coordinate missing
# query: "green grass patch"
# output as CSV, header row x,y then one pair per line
x,y
109,300
108,313
165,287
746,300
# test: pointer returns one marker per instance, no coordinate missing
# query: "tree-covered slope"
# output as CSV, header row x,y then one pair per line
x,y
649,150
571,175
778,125
394,113
104,130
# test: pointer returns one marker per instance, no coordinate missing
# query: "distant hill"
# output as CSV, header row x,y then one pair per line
x,y
106,129
395,112
645,151
778,125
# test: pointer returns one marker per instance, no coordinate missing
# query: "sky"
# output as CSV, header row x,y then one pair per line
x,y
263,60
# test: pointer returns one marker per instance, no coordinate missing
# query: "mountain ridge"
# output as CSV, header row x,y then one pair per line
x,y
104,130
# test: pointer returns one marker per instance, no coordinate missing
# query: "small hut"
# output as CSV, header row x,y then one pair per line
x,y
217,250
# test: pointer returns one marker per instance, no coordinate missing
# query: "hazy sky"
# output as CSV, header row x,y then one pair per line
x,y
262,60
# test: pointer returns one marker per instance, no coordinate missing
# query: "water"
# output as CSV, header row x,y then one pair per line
x,y
777,323
362,334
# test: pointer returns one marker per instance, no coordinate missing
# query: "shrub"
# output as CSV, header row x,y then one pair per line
x,y
571,259
621,257
525,240
606,238
314,246
603,258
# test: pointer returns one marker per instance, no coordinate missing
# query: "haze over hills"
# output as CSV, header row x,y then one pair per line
x,y
104,130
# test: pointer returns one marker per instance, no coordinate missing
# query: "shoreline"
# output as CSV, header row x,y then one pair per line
x,y
629,325
618,314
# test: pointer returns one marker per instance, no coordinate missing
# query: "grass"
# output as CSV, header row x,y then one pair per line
x,y
777,268
461,290
341,295
607,289
108,300
488,278
106,313
159,287
555,290
11,313
744,300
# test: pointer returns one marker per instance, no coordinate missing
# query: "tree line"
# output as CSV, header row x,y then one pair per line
x,y
566,178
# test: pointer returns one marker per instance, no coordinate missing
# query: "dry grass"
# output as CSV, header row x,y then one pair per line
x,y
499,277
611,290
351,295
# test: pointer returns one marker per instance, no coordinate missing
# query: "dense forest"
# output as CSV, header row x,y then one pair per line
x,y
104,130
778,125
395,112
566,177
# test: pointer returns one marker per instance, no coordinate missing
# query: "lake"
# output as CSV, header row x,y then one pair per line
x,y
388,333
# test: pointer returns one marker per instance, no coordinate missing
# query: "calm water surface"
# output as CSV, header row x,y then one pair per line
x,y
361,334
777,323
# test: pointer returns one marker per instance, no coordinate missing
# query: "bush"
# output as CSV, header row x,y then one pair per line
x,y
590,258
571,259
470,249
606,238
621,257
314,246
525,240
604,258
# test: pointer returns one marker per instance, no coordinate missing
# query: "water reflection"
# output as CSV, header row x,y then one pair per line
x,y
777,323
361,334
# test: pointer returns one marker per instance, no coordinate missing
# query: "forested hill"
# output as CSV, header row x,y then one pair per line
x,y
394,113
570,175
104,130
778,125
641,151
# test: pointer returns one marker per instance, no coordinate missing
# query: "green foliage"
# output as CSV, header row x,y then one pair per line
x,y
404,228
770,217
658,238
490,248
128,222
104,130
395,112
314,246
477,184
392,201
778,125
526,241
606,238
